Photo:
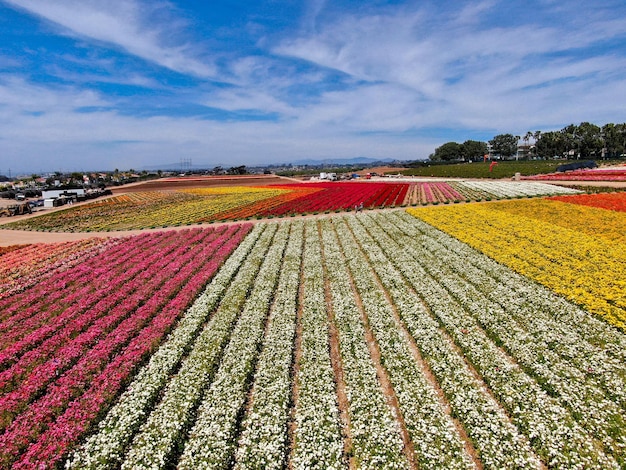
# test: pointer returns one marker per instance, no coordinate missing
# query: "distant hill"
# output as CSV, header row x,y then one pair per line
x,y
308,161
179,167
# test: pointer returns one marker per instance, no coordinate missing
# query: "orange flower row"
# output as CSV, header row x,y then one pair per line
x,y
610,201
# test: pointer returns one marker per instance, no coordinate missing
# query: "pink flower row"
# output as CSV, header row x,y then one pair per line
x,y
70,287
28,267
60,274
23,260
74,400
583,175
78,327
440,192
75,266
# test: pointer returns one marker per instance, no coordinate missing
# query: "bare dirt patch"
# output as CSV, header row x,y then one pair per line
x,y
381,170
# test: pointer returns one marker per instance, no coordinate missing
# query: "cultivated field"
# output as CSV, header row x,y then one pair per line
x,y
196,205
351,340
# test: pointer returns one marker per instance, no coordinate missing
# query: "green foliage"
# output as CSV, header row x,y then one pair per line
x,y
504,144
448,151
504,169
585,141
474,149
453,151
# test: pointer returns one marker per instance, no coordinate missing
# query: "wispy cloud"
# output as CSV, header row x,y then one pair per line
x,y
148,30
140,81
461,63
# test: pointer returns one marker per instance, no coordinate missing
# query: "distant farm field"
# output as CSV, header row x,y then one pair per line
x,y
354,340
196,205
504,169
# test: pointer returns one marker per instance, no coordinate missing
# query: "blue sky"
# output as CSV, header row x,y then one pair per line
x,y
94,84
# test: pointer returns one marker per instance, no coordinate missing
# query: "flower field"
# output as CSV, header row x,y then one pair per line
x,y
151,209
25,265
575,250
359,340
71,341
596,174
610,201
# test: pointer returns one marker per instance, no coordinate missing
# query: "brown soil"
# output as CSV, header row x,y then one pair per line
x,y
297,357
385,381
335,359
432,380
381,170
426,371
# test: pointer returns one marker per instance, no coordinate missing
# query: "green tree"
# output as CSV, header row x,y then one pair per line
x,y
504,144
527,137
614,137
536,137
551,144
448,152
474,149
76,178
571,140
238,170
590,140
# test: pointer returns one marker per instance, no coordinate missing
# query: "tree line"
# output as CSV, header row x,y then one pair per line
x,y
583,141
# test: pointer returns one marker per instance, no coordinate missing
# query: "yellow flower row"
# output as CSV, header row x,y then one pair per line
x,y
593,221
232,190
207,207
151,209
576,253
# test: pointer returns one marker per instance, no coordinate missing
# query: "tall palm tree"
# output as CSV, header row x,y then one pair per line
x,y
527,137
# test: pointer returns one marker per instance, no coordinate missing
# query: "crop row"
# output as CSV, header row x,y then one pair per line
x,y
58,382
580,257
205,205
371,341
26,265
611,201
599,174
553,401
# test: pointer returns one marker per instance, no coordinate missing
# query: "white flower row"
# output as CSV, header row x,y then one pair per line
x,y
375,433
498,442
557,436
317,440
166,428
106,448
548,350
579,336
263,441
437,442
515,188
212,440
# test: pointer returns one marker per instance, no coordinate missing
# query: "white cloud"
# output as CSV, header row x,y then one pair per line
x,y
457,68
127,24
370,83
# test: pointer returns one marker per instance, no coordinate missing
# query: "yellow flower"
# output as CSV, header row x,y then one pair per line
x,y
576,251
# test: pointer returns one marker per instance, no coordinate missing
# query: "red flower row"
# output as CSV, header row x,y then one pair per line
x,y
82,324
341,196
583,175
